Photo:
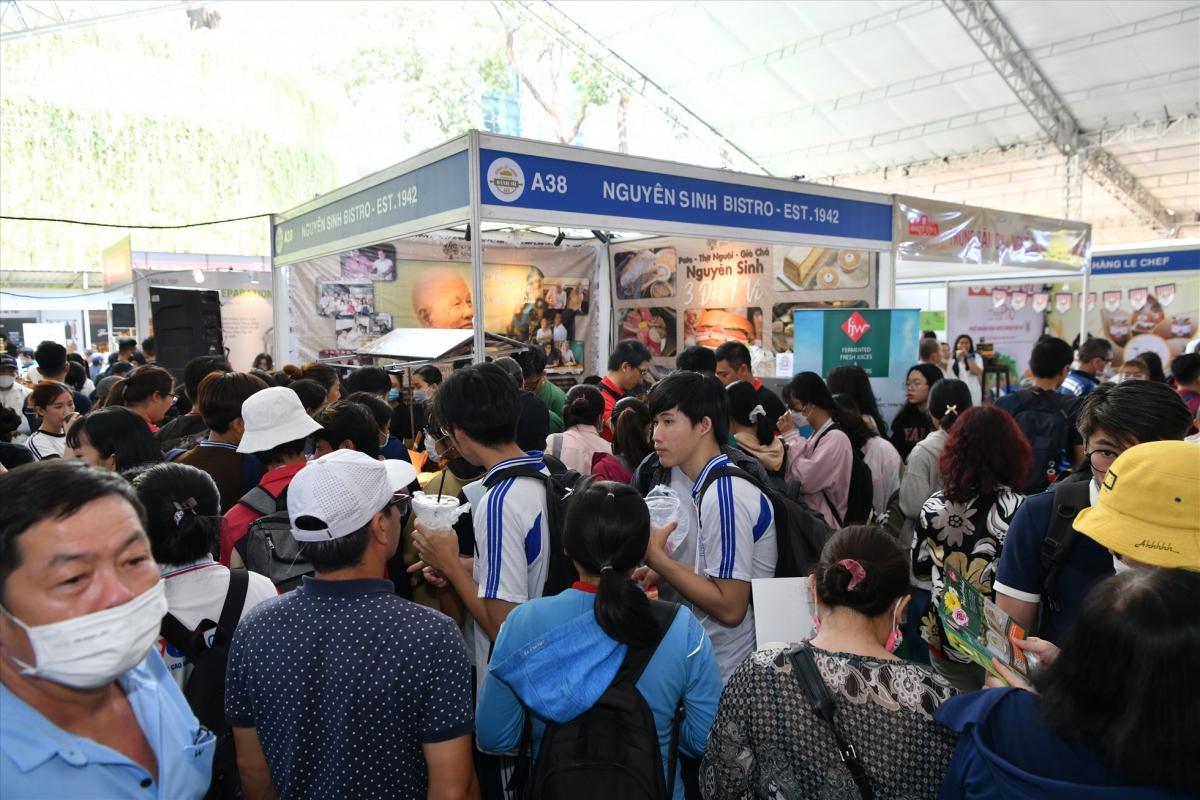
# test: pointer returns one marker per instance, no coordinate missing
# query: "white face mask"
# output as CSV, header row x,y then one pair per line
x,y
420,397
95,649
1120,566
431,447
799,419
6,381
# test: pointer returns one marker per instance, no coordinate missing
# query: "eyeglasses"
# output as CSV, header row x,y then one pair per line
x,y
915,384
1100,460
643,372
401,501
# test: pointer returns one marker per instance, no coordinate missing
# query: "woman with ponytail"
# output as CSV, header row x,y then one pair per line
x,y
557,655
768,742
183,521
752,429
823,461
631,441
147,391
580,441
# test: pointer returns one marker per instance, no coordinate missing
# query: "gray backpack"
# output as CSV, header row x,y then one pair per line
x,y
271,549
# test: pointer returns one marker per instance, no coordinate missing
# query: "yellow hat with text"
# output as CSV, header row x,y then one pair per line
x,y
1149,506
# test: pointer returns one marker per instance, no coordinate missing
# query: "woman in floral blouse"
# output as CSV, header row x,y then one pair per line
x,y
767,743
963,525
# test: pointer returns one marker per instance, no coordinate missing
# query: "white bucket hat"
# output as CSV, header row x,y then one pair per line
x,y
343,491
273,417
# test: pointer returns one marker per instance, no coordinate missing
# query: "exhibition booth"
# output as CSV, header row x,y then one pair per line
x,y
475,234
959,248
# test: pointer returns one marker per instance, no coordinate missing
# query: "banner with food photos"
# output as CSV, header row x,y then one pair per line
x,y
675,292
1138,313
533,292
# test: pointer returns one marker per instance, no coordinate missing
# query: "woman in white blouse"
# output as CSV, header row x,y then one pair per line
x,y
967,366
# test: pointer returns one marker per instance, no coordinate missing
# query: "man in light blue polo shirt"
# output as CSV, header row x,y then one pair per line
x,y
82,605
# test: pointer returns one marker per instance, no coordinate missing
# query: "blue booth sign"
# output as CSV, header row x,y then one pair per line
x,y
1162,261
564,186
432,189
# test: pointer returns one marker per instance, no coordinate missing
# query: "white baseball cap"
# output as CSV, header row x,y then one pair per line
x,y
343,491
273,417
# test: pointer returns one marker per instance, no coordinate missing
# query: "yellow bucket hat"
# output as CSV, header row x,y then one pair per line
x,y
1149,506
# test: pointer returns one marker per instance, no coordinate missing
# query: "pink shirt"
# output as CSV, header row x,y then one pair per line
x,y
822,470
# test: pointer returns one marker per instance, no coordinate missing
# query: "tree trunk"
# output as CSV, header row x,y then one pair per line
x,y
623,123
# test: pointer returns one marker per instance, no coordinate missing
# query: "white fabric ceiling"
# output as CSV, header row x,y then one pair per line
x,y
839,91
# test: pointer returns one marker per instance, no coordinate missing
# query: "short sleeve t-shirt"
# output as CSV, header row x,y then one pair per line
x,y
196,592
1020,572
343,682
737,542
511,540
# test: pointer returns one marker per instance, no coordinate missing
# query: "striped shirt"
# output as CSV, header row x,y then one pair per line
x,y
737,542
512,537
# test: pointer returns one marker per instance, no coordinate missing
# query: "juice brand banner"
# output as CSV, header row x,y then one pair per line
x,y
1138,313
883,342
928,231
668,194
675,292
534,293
1116,264
247,328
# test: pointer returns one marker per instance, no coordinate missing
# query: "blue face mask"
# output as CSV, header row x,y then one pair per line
x,y
394,396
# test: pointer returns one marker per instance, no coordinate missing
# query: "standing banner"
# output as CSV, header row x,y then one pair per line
x,y
929,231
117,263
675,292
1012,328
883,342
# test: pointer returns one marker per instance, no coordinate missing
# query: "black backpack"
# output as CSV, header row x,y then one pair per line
x,y
1048,431
611,750
205,687
1070,497
560,483
860,501
800,532
271,549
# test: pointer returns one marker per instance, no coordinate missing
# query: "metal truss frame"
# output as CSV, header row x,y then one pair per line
x,y
20,18
990,33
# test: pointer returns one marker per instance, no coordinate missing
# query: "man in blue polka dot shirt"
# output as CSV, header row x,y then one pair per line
x,y
341,688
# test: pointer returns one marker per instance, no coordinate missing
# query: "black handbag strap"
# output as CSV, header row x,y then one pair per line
x,y
822,702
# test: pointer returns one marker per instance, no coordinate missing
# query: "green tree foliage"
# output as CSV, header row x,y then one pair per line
x,y
64,155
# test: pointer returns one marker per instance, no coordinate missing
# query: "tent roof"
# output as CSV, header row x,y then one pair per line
x,y
898,97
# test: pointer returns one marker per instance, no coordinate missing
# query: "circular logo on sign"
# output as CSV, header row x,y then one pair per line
x,y
506,180
278,239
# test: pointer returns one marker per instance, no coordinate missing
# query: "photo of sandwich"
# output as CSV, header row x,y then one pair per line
x,y
715,326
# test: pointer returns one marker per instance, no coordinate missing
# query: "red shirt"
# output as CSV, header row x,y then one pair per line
x,y
237,519
611,394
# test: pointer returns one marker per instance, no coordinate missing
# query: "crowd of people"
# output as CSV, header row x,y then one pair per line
x,y
226,586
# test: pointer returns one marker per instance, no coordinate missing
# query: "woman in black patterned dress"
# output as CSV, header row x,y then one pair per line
x,y
766,740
